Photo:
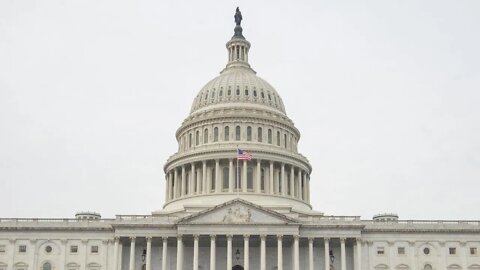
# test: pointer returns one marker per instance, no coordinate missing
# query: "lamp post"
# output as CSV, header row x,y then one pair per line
x,y
332,258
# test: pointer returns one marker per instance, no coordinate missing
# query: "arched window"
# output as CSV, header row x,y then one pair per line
x,y
262,94
269,136
197,137
213,93
205,136
259,135
427,267
221,92
246,91
285,140
249,133
238,90
237,133
47,266
229,92
278,138
249,178
226,177
255,92
227,134
215,134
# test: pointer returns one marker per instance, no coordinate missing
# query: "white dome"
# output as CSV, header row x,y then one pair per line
x,y
238,85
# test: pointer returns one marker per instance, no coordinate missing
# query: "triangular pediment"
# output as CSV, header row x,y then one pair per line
x,y
237,211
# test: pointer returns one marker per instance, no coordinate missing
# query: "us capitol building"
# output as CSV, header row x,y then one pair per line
x,y
221,212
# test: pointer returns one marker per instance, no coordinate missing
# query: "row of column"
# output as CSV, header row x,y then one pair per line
x,y
274,179
238,52
246,246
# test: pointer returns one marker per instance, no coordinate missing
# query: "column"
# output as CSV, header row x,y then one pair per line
x,y
193,180
167,187
258,184
184,180
246,252
199,181
283,190
175,184
244,176
231,176
292,181
179,253
218,183
170,186
115,253
270,172
229,251
195,252
300,185
204,177
359,254
213,258
263,252
310,253
327,253
164,252
296,252
280,252
132,253
308,188
149,253
343,257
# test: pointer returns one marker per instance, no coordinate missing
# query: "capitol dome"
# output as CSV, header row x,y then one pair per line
x,y
237,110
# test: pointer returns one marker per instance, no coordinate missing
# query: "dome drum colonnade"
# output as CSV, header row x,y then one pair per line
x,y
215,243
237,109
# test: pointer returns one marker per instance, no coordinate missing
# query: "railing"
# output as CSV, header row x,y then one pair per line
x,y
426,222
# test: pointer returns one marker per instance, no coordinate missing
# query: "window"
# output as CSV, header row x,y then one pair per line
x,y
269,97
227,134
262,94
205,136
452,251
213,93
48,249
197,137
254,92
246,91
73,249
94,249
426,251
221,92
249,178
238,91
237,133
47,266
380,251
473,251
2,249
278,138
249,133
229,92
226,176
427,267
215,134
22,248
270,136
259,135
401,251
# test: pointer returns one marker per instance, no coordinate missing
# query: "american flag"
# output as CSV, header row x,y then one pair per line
x,y
243,155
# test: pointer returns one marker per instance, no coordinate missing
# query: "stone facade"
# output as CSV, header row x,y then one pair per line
x,y
222,213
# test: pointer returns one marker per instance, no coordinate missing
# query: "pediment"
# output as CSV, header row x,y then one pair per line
x,y
237,211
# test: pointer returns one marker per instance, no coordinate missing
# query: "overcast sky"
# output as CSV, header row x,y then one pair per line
x,y
386,95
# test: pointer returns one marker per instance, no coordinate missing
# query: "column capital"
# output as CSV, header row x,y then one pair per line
x,y
296,236
326,239
195,237
204,162
149,238
179,236
310,239
246,236
263,237
164,238
229,236
133,238
116,238
279,236
342,240
359,240
213,236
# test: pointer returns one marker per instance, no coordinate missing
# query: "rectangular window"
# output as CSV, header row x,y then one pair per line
x,y
380,251
22,249
473,251
73,249
401,251
452,251
94,249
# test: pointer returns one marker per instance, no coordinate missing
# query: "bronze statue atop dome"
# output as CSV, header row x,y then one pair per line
x,y
238,16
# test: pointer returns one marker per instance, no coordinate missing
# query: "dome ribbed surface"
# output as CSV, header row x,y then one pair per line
x,y
238,85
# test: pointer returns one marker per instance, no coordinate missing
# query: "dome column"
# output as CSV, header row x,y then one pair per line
x,y
270,172
244,176
231,175
184,182
300,185
292,181
204,177
283,185
192,180
176,185
258,184
218,186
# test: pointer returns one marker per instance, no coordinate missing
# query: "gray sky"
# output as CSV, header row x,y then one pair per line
x,y
385,94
